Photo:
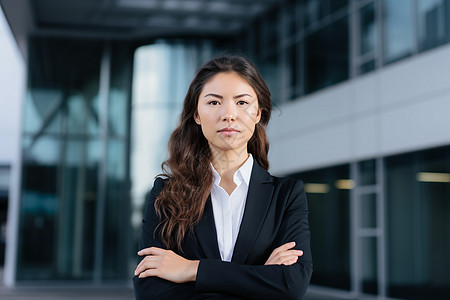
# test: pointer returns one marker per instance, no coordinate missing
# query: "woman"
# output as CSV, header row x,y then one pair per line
x,y
219,226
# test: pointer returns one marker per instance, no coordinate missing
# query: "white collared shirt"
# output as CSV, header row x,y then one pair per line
x,y
229,209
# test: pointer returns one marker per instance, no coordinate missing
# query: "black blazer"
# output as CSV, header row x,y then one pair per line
x,y
276,212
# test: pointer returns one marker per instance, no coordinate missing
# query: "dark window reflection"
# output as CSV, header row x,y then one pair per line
x,y
329,221
369,265
316,10
327,56
367,172
293,19
270,73
418,208
294,71
367,67
367,27
433,21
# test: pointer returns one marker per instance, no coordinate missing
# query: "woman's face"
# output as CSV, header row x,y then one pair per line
x,y
227,111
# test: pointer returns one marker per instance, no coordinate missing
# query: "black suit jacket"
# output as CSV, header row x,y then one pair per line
x,y
276,212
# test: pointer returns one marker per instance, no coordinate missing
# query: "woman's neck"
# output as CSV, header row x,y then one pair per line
x,y
226,163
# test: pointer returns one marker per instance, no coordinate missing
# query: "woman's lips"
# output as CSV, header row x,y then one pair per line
x,y
228,131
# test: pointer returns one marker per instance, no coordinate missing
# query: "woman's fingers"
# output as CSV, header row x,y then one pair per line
x,y
166,264
148,262
152,251
148,273
287,256
284,255
284,247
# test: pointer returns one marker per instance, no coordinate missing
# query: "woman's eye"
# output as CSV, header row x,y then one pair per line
x,y
242,102
213,102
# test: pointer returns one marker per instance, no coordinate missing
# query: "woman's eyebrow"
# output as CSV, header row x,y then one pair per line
x,y
242,95
221,97
213,95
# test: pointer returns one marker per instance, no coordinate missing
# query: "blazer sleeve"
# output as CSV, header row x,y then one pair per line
x,y
267,282
154,287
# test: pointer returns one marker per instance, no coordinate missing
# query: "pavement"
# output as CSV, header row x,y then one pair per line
x,y
88,293
73,291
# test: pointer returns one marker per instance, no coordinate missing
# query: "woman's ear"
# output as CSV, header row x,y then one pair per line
x,y
258,115
197,118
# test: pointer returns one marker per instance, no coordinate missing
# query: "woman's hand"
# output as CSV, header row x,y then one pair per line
x,y
167,265
283,256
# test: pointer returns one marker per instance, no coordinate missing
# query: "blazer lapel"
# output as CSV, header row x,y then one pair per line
x,y
206,232
259,197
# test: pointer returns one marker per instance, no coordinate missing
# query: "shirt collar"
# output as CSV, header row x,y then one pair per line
x,y
242,174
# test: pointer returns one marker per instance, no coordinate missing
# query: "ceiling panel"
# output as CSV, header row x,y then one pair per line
x,y
134,19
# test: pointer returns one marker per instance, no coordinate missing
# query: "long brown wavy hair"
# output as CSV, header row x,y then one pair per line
x,y
181,203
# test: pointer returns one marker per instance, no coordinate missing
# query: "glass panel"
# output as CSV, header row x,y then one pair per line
x,y
256,35
311,12
433,22
118,94
76,114
61,164
292,16
368,265
76,214
367,67
367,172
326,56
42,111
273,30
269,71
294,72
316,10
398,29
44,150
329,221
367,25
336,5
38,207
116,223
368,213
418,212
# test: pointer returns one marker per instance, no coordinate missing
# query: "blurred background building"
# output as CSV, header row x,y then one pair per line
x,y
362,95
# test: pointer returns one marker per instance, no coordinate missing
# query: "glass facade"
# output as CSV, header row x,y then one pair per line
x,y
382,226
307,45
74,195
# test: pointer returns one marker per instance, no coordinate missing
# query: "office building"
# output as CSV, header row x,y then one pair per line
x,y
362,115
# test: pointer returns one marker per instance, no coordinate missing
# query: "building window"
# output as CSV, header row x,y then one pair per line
x,y
270,72
328,195
294,68
433,23
398,30
367,47
418,224
327,56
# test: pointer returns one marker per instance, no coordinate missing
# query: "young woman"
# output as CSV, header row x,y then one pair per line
x,y
219,226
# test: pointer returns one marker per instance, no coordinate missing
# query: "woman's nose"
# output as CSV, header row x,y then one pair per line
x,y
229,113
